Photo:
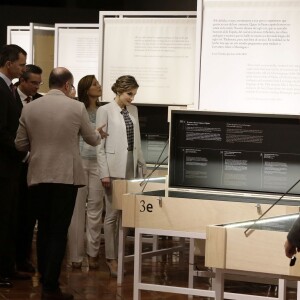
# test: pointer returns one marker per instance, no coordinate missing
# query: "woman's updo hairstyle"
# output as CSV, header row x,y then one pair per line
x,y
123,84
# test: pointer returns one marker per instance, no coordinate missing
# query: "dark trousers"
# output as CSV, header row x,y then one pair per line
x,y
8,222
54,204
26,221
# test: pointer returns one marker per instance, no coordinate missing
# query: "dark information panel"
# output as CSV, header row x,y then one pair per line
x,y
241,152
154,128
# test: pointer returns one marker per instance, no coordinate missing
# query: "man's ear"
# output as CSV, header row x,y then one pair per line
x,y
8,64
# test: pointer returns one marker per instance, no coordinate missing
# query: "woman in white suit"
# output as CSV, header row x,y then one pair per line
x,y
87,215
118,155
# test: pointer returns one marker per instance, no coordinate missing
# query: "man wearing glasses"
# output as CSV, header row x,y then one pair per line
x,y
27,91
29,84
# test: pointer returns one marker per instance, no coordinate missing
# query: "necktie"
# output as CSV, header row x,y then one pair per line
x,y
13,90
27,100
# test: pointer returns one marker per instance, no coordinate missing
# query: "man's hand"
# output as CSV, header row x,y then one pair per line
x,y
106,182
290,249
102,132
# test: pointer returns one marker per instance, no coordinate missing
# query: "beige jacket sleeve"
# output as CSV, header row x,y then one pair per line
x,y
22,140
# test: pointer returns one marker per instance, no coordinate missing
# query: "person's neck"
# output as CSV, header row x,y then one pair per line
x,y
122,106
20,87
4,71
92,105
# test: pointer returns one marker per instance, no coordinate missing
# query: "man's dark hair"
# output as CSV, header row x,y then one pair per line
x,y
10,53
58,77
31,69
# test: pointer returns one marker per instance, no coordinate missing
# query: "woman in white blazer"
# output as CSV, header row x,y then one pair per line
x,y
118,155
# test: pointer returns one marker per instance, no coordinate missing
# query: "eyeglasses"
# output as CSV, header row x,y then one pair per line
x,y
37,83
71,84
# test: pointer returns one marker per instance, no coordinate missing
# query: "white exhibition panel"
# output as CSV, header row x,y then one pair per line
x,y
158,52
250,58
78,51
21,36
28,37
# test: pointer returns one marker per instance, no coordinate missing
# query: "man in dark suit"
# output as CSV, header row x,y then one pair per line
x,y
29,83
12,65
27,91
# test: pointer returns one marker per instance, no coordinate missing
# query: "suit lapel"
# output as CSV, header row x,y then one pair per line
x,y
131,114
5,89
9,96
19,101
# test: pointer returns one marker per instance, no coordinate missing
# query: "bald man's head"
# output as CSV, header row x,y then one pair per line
x,y
59,77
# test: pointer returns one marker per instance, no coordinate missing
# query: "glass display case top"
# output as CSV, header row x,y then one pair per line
x,y
279,223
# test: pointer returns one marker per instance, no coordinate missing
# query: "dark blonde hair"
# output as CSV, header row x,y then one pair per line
x,y
124,84
83,86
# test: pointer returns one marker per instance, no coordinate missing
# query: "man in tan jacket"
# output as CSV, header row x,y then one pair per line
x,y
49,129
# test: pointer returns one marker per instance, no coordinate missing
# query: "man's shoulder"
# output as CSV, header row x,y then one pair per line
x,y
59,97
71,104
36,96
5,93
2,82
3,85
58,101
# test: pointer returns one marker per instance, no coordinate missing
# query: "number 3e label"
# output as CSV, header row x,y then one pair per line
x,y
145,207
